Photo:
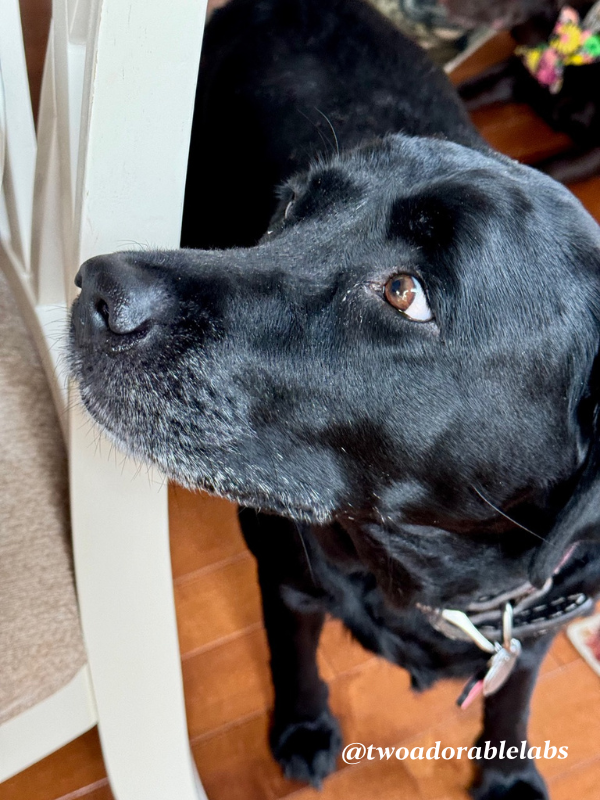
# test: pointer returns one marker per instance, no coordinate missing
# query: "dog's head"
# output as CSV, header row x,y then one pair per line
x,y
412,342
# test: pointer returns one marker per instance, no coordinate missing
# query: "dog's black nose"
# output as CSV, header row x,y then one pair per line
x,y
118,298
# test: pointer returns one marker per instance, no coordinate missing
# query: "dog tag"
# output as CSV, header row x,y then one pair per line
x,y
461,620
472,689
502,663
500,666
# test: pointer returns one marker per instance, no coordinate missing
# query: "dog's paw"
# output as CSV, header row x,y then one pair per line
x,y
496,786
307,750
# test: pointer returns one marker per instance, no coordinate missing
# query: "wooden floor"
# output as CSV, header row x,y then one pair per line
x,y
224,654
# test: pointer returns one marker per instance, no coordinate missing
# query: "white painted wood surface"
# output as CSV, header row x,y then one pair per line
x,y
71,711
45,727
113,135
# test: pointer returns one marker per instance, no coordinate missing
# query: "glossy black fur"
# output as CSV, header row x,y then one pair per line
x,y
291,101
382,461
575,110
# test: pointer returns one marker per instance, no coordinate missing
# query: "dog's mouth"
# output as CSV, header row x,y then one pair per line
x,y
198,433
216,469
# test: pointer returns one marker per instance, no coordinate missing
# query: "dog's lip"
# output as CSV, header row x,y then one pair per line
x,y
112,341
120,343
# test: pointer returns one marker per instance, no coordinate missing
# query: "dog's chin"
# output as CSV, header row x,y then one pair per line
x,y
208,472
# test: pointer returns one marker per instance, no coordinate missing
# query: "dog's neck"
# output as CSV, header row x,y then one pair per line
x,y
418,564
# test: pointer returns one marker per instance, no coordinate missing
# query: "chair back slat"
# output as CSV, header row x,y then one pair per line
x,y
113,135
19,136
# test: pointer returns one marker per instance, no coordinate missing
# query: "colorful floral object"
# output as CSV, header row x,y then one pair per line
x,y
571,44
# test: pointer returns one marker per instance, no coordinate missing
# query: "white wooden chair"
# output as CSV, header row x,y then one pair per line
x,y
107,172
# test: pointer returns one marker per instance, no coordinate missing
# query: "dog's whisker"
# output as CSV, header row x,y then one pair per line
x,y
328,121
145,246
317,160
503,514
308,563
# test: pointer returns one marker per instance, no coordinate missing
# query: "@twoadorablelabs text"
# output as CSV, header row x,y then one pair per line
x,y
356,752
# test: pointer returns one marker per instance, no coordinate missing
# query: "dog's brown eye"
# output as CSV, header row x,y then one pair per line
x,y
405,293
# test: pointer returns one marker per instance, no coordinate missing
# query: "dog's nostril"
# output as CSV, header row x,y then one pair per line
x,y
121,320
102,309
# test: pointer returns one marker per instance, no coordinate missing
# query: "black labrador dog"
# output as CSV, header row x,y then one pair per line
x,y
392,368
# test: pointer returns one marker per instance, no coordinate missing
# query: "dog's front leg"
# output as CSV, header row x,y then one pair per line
x,y
305,736
506,713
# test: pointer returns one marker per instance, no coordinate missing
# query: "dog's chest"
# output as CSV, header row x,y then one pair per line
x,y
404,637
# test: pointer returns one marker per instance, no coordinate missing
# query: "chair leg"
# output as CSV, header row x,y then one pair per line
x,y
125,588
118,96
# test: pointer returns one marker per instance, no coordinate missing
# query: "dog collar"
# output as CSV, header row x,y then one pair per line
x,y
497,623
571,43
533,615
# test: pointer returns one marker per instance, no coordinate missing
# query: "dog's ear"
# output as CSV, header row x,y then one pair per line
x,y
580,517
579,520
